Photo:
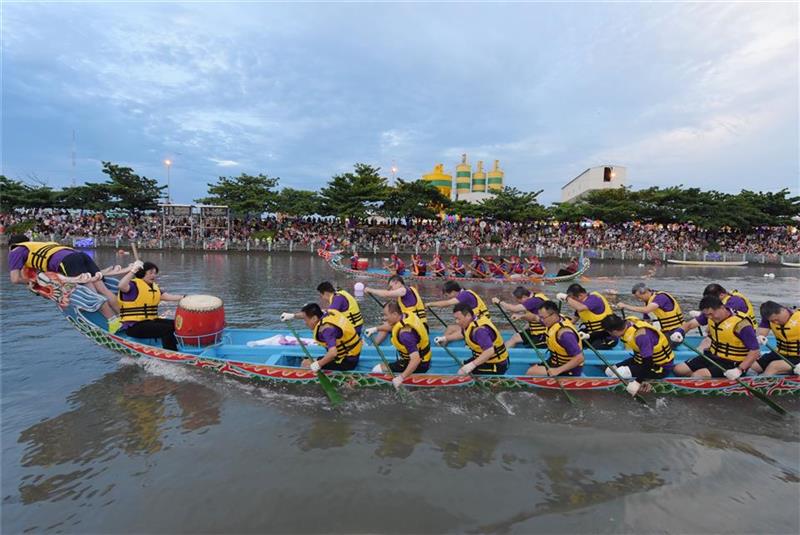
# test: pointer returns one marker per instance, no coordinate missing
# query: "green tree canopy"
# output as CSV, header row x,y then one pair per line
x,y
244,194
510,204
297,202
86,197
128,190
355,194
414,200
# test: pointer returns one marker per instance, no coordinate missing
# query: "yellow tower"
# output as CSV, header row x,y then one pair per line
x,y
439,179
463,172
495,182
479,179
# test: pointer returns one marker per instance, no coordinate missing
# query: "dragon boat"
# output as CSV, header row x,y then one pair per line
x,y
335,261
238,353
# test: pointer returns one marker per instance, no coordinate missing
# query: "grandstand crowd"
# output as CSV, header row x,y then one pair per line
x,y
377,234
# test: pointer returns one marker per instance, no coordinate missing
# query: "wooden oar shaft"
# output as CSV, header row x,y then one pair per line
x,y
135,251
324,382
614,370
756,393
536,350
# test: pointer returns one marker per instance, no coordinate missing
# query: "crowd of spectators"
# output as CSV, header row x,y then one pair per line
x,y
449,235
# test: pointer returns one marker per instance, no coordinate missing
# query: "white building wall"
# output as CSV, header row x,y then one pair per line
x,y
592,179
473,196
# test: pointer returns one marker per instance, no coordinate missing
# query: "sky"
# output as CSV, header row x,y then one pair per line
x,y
702,94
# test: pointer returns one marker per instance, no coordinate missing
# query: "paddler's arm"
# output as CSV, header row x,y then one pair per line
x,y
443,303
747,335
576,305
652,307
568,341
172,297
413,362
16,276
513,307
574,362
124,284
399,292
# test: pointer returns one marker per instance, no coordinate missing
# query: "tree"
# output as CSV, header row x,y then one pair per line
x,y
510,204
244,194
130,191
414,200
354,194
88,196
12,193
297,202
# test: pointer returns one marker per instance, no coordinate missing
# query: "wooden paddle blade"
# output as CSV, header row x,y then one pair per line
x,y
763,397
330,390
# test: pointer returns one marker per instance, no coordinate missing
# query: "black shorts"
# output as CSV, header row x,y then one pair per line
x,y
77,263
539,340
399,366
772,357
347,364
490,369
574,372
698,363
645,370
602,340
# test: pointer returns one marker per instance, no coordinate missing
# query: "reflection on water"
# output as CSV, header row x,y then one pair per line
x,y
125,411
476,447
574,488
399,438
324,433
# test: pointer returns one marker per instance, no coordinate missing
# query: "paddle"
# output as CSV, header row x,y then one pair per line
x,y
324,381
135,251
377,301
785,359
400,391
760,395
638,397
538,355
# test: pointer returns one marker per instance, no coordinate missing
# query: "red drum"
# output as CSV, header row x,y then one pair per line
x,y
199,320
363,264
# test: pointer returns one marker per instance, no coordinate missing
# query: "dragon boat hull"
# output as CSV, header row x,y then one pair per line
x,y
234,357
335,262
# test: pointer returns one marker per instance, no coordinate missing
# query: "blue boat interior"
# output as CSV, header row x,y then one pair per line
x,y
233,347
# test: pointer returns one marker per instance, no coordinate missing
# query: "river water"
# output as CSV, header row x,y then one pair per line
x,y
93,442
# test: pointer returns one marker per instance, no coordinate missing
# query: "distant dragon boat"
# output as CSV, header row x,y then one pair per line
x,y
239,353
334,260
706,263
791,264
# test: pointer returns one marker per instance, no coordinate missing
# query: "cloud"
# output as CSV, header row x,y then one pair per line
x,y
224,163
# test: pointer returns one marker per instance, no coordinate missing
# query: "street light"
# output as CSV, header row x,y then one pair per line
x,y
168,163
394,172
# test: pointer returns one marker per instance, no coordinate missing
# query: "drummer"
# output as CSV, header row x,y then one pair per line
x,y
408,299
527,306
139,296
453,295
409,337
334,331
342,301
50,256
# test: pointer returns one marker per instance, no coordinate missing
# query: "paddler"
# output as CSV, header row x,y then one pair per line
x,y
342,301
453,295
497,269
527,307
734,345
354,261
457,267
785,325
489,353
661,304
591,309
535,266
50,256
333,331
515,267
410,339
563,341
652,358
139,296
478,267
734,300
408,299
569,269
396,266
418,266
439,269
